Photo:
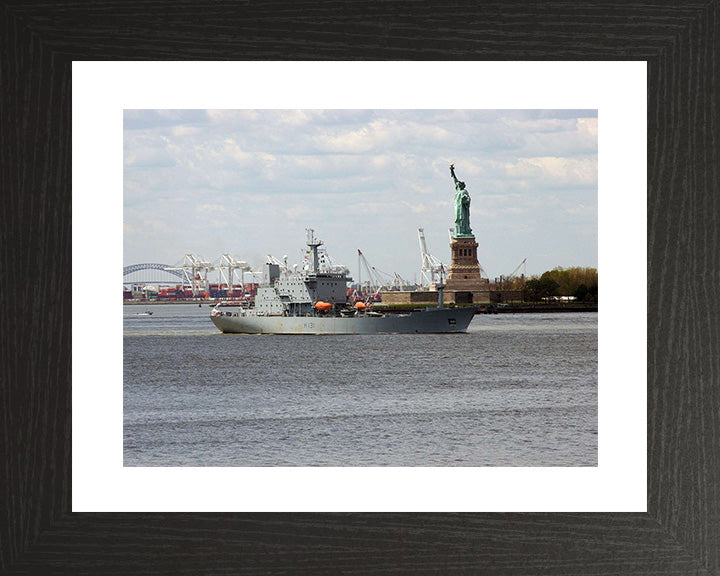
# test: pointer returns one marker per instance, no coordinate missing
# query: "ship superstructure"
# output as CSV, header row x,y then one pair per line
x,y
297,294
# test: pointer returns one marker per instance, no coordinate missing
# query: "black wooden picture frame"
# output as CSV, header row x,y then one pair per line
x,y
680,533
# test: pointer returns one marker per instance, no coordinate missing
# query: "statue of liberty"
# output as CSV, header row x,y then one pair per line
x,y
462,208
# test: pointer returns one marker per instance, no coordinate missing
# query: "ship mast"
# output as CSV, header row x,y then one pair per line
x,y
440,288
313,244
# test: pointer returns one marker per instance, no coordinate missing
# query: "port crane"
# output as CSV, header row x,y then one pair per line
x,y
227,266
521,266
394,281
510,280
377,279
374,282
191,267
430,264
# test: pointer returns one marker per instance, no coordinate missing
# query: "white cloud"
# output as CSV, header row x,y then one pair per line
x,y
184,130
552,170
232,150
589,127
296,212
419,208
209,208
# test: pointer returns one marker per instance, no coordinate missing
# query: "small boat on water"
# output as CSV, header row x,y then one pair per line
x,y
314,301
146,313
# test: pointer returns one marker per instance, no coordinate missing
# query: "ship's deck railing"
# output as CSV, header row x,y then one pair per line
x,y
311,276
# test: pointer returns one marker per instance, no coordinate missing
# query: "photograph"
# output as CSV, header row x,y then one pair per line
x,y
360,287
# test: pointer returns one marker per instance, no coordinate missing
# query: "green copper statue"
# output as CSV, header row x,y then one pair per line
x,y
462,208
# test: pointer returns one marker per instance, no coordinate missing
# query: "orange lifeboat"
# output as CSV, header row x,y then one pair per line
x,y
322,306
360,305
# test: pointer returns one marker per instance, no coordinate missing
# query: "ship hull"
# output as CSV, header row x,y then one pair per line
x,y
431,321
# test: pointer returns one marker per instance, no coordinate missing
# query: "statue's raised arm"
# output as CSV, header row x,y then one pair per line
x,y
452,173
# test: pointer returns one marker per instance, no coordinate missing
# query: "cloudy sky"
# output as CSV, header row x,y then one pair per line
x,y
249,182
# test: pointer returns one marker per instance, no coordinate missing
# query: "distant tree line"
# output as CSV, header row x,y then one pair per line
x,y
582,283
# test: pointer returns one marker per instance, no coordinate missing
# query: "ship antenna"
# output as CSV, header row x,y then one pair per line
x,y
441,287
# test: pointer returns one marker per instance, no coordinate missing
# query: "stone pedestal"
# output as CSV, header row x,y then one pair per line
x,y
464,274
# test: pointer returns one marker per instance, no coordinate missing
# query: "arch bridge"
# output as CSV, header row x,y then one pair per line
x,y
151,272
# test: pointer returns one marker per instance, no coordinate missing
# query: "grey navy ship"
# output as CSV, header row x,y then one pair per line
x,y
314,301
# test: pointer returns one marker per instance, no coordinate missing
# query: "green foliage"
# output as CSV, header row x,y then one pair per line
x,y
581,292
582,283
538,288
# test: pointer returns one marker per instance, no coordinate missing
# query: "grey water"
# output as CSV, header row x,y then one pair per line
x,y
515,390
